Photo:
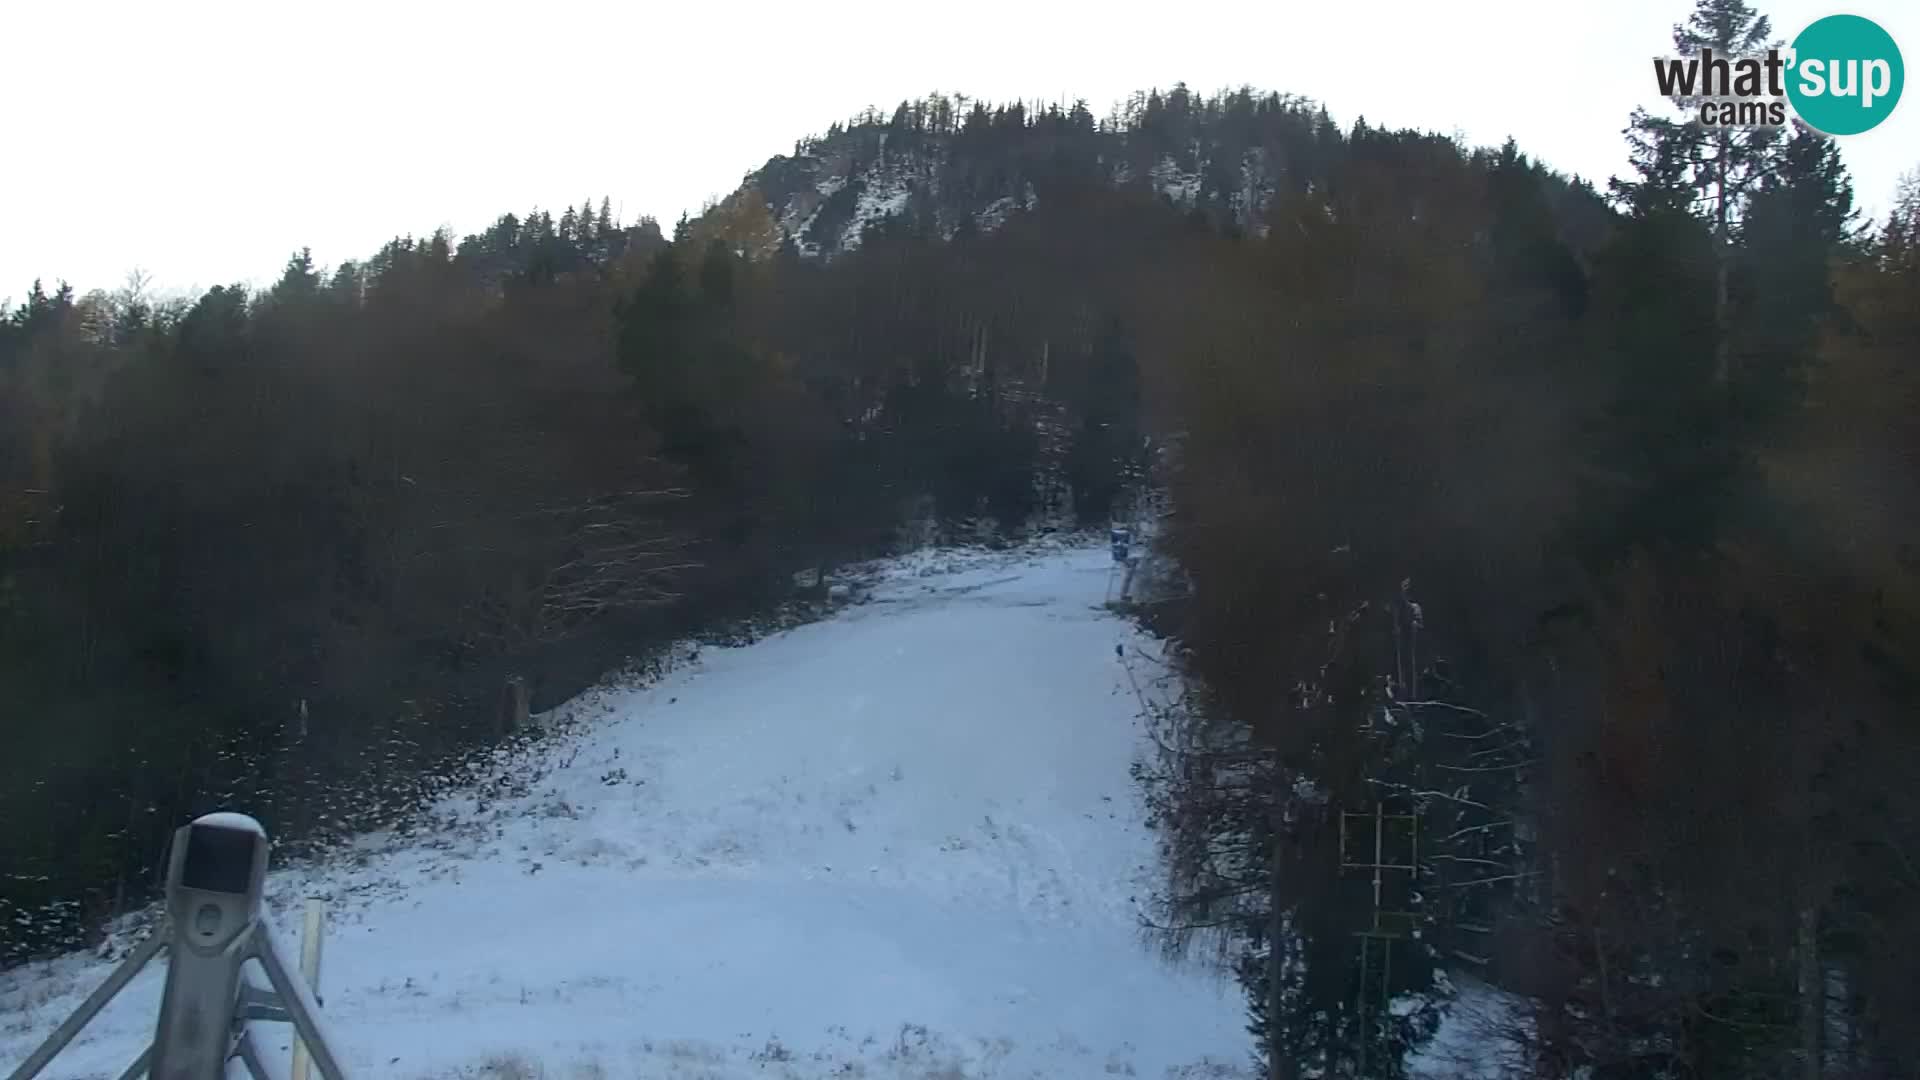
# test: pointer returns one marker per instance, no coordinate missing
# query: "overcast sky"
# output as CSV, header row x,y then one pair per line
x,y
206,141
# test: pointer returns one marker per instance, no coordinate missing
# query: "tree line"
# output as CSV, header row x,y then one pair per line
x,y
281,548
1584,559
957,164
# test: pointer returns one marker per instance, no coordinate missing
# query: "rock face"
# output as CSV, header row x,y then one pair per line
x,y
947,164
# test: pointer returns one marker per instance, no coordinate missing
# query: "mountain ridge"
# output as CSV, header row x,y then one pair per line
x,y
953,164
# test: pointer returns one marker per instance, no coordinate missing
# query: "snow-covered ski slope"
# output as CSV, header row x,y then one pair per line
x,y
902,842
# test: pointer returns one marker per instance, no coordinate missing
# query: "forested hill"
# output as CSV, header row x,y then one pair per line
x,y
955,165
1577,527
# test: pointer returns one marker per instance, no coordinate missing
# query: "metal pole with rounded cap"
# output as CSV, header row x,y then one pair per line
x,y
215,874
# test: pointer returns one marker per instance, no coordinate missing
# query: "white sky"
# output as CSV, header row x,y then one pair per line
x,y
206,141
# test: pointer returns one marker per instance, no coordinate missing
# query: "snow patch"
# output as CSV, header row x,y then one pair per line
x,y
903,841
994,214
226,819
1482,1036
797,219
1178,184
1249,203
885,193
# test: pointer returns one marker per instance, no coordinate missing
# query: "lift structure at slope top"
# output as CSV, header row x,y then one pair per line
x,y
212,927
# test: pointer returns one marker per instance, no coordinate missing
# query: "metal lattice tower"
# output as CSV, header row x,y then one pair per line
x,y
1385,925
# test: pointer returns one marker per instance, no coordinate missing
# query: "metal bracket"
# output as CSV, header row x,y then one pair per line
x,y
210,929
289,1002
258,1004
302,1009
90,1008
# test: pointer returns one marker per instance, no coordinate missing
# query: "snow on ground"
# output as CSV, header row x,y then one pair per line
x,y
1171,180
994,214
1483,1035
803,209
902,842
887,189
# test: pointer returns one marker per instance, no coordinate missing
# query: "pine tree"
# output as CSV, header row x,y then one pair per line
x,y
299,279
347,283
1669,458
584,236
1724,165
1105,454
1799,221
1662,153
1659,456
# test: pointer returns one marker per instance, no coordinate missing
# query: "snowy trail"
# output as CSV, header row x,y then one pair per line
x,y
900,842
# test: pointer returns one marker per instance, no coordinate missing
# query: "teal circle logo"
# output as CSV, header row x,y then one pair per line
x,y
1847,75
